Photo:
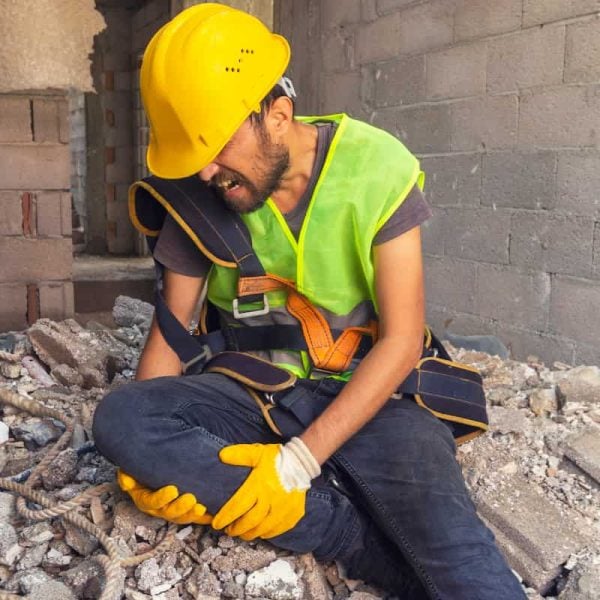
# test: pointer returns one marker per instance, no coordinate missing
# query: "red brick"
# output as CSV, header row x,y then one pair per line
x,y
12,215
13,307
15,119
45,167
45,120
27,260
49,218
56,300
33,303
28,213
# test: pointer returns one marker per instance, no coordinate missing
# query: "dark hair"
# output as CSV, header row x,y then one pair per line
x,y
257,118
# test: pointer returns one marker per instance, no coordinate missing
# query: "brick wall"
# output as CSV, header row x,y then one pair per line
x,y
35,204
501,101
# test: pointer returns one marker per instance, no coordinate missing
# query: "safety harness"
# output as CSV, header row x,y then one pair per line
x,y
450,390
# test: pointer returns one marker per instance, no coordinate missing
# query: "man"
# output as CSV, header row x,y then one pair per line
x,y
333,207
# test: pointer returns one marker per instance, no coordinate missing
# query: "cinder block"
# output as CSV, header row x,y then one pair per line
x,y
450,282
400,81
386,6
578,182
122,80
46,167
441,319
537,529
582,60
564,116
66,214
586,354
536,12
552,243
13,307
574,309
408,125
481,18
335,13
15,119
12,214
457,72
519,180
513,296
479,234
531,57
433,234
336,50
453,180
368,10
64,122
416,29
56,300
596,258
121,170
342,92
489,122
523,342
45,120
35,259
584,450
49,216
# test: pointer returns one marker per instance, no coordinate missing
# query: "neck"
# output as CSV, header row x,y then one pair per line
x,y
302,144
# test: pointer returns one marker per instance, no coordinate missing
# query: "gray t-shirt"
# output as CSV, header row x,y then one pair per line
x,y
178,253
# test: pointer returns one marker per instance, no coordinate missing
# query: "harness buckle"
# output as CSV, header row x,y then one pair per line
x,y
250,313
204,356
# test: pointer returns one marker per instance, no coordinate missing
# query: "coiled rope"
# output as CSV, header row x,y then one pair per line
x,y
114,562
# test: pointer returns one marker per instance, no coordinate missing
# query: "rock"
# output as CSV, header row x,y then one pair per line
x,y
10,370
67,375
7,507
32,557
543,401
584,450
243,557
37,534
508,420
203,582
583,582
363,596
10,550
278,581
36,371
61,470
127,518
38,432
81,541
316,586
128,312
25,581
92,378
51,589
580,385
86,579
4,432
479,343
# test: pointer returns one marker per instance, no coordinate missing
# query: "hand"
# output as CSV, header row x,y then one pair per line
x,y
164,503
272,499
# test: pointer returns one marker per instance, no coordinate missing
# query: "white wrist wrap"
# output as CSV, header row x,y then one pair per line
x,y
296,466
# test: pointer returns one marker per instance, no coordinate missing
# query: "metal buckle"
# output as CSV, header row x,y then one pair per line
x,y
204,356
250,313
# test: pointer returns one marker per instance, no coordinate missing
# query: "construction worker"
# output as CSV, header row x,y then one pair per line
x,y
333,207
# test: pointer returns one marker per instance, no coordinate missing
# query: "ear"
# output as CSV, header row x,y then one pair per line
x,y
279,117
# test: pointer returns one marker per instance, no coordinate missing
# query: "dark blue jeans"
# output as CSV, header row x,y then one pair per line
x,y
400,469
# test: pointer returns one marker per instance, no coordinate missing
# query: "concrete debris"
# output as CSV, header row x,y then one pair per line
x,y
534,478
278,581
4,432
584,450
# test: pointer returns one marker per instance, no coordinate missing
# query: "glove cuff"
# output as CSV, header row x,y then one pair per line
x,y
304,456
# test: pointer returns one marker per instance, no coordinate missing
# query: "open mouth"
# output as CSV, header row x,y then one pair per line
x,y
229,184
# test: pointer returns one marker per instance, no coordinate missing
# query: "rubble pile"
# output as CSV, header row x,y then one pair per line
x,y
534,478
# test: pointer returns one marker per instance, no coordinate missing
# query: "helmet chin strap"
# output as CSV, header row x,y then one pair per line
x,y
288,86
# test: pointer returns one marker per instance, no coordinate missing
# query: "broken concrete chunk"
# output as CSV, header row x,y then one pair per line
x,y
584,450
61,470
86,579
128,312
38,432
583,582
508,420
81,541
543,401
67,375
535,536
10,370
4,432
10,550
580,385
278,581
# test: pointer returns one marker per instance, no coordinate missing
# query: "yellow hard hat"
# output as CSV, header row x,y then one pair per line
x,y
202,75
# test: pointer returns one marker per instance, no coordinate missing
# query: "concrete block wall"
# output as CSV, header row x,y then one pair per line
x,y
501,101
35,204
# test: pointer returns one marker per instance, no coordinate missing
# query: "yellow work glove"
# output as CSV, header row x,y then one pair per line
x,y
272,499
164,503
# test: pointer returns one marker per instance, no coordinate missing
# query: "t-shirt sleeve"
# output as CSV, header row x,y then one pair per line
x,y
178,253
412,212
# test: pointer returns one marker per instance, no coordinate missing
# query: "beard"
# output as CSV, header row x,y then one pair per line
x,y
276,161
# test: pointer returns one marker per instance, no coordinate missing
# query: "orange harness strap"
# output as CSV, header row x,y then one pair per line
x,y
326,354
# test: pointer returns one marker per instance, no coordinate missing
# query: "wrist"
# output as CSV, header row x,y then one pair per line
x,y
296,466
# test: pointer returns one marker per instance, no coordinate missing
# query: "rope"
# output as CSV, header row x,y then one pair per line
x,y
114,562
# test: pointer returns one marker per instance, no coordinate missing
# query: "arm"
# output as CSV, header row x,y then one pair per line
x,y
181,295
400,295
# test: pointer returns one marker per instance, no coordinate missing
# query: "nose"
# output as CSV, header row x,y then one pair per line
x,y
209,172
